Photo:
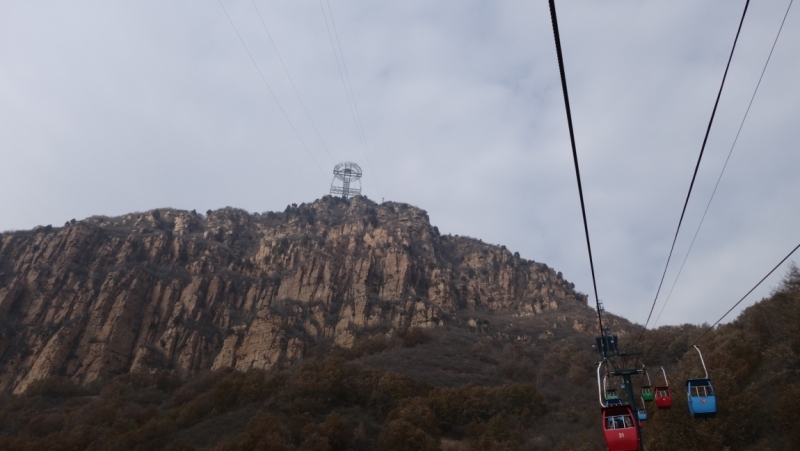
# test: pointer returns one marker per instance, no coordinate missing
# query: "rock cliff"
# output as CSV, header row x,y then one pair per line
x,y
178,289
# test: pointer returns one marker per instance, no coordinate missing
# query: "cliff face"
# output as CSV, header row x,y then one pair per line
x,y
177,289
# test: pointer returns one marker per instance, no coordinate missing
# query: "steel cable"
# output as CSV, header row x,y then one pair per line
x,y
574,153
743,297
351,100
270,89
736,139
286,71
696,168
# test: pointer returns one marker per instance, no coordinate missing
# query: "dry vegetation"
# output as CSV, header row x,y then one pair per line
x,y
432,390
754,363
485,380
330,404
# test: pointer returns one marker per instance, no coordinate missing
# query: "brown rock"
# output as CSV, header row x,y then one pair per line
x,y
173,289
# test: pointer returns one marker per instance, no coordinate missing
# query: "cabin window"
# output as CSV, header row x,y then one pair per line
x,y
702,390
619,422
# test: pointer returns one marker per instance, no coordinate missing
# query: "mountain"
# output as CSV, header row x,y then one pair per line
x,y
176,289
343,325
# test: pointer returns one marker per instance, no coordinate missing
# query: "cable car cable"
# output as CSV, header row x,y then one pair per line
x,y
270,89
351,100
743,297
726,163
353,96
574,153
696,168
285,70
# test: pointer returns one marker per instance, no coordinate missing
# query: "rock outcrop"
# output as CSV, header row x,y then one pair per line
x,y
176,289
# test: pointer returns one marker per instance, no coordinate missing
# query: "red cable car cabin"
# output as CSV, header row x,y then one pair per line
x,y
663,397
620,431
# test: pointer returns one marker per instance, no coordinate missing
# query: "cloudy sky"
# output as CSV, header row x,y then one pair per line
x,y
113,107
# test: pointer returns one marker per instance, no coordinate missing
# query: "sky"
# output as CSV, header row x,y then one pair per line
x,y
113,107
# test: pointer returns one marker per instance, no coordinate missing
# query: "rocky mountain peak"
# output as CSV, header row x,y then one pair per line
x,y
179,289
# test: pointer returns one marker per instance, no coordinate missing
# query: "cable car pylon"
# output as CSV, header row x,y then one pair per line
x,y
615,413
621,428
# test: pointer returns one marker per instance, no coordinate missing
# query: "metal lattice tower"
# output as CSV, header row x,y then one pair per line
x,y
345,175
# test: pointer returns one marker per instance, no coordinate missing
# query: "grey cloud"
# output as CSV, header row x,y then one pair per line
x,y
109,108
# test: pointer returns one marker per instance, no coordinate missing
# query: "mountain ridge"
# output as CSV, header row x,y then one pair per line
x,y
340,325
176,289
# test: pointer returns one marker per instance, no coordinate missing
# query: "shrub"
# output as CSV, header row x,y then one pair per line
x,y
400,435
338,431
415,336
54,387
417,412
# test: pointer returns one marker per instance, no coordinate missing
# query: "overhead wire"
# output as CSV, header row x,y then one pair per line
x,y
351,100
264,79
745,296
696,168
736,139
574,153
286,71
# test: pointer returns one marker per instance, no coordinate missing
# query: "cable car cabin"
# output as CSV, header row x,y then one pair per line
x,y
642,414
663,397
647,393
613,402
611,393
701,397
620,432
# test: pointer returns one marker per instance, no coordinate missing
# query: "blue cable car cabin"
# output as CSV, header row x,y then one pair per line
x,y
701,397
613,402
700,394
642,412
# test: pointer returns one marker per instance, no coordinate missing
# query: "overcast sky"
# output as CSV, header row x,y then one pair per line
x,y
113,107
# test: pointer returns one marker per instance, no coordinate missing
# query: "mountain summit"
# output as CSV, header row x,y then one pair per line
x,y
176,289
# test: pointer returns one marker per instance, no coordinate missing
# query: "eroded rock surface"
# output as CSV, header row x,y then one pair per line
x,y
176,289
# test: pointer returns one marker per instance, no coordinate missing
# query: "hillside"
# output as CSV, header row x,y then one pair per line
x,y
175,289
754,363
341,325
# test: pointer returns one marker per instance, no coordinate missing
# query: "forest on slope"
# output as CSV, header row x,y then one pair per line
x,y
339,400
754,364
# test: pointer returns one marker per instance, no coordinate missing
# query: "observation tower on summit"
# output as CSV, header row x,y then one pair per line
x,y
345,177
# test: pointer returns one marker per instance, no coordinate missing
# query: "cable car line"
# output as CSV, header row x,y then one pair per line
x,y
351,100
702,399
745,296
353,96
620,426
696,168
575,154
736,139
270,89
285,70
